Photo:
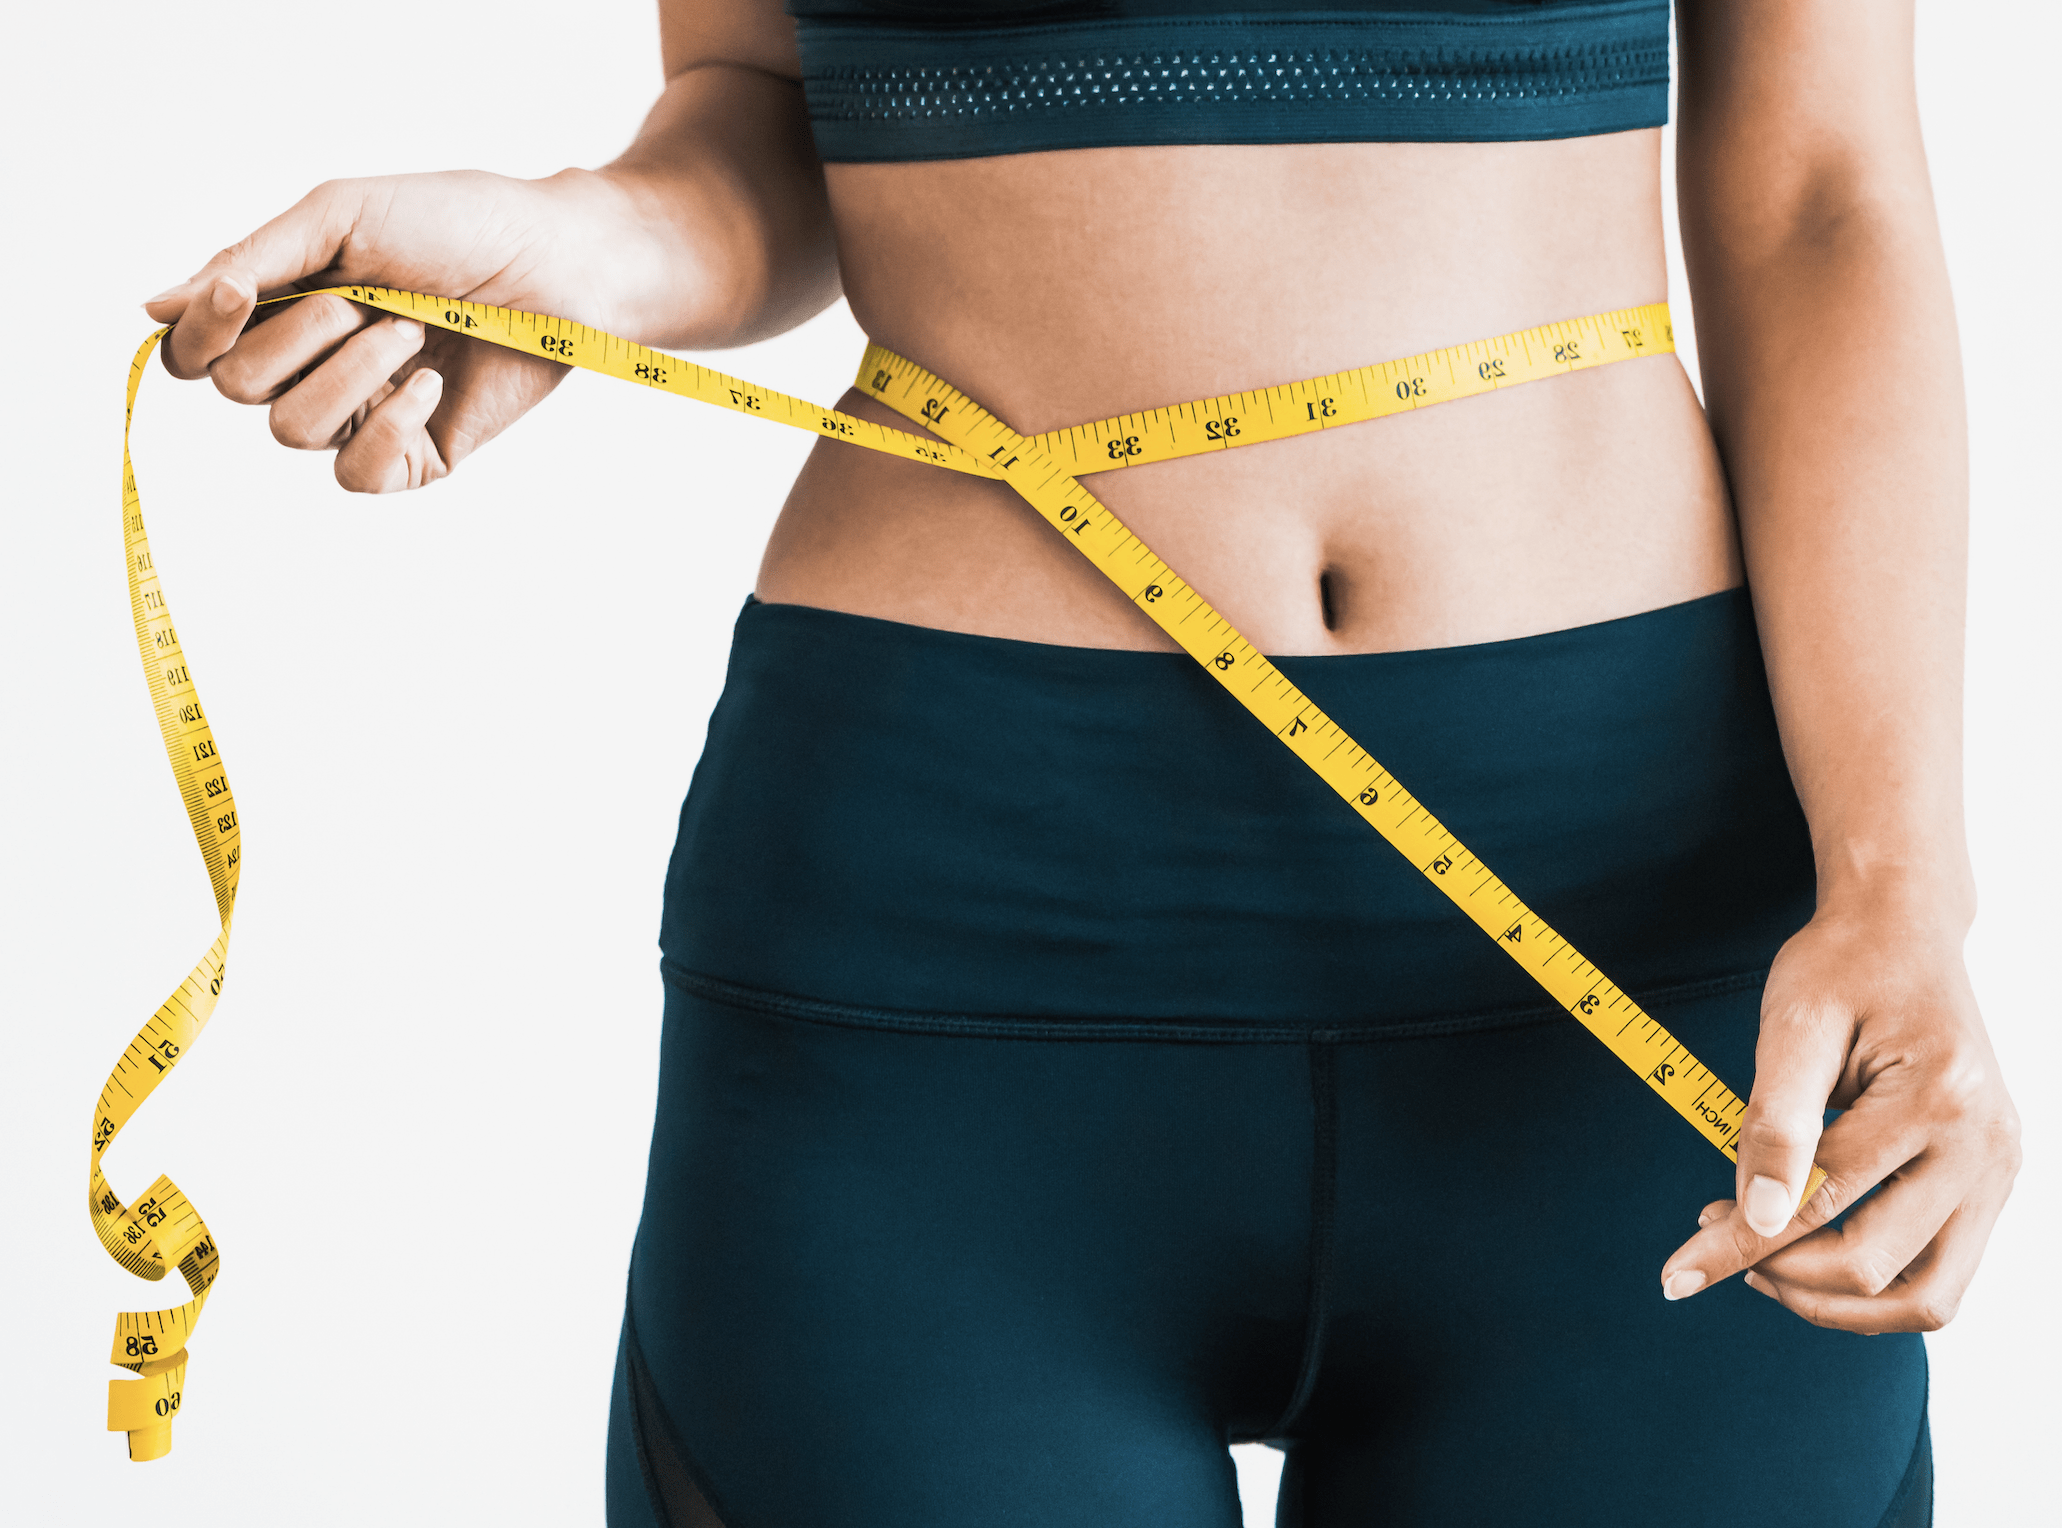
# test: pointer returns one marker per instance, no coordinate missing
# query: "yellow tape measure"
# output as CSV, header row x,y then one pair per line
x,y
162,1230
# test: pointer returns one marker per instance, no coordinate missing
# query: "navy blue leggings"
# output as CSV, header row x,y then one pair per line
x,y
1058,1084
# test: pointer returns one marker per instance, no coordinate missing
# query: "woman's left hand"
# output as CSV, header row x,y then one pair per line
x,y
1870,1013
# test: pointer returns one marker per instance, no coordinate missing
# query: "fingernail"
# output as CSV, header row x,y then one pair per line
x,y
407,328
1768,1205
1704,1218
1758,1284
170,291
425,380
226,297
1683,1283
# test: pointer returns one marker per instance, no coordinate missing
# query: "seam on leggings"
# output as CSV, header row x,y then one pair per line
x,y
642,1386
1895,1515
1237,1031
1324,1198
632,1363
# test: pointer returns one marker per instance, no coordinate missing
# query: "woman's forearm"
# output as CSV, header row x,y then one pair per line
x,y
1832,378
724,190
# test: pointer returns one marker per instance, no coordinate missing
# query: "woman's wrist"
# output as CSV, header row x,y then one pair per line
x,y
1925,896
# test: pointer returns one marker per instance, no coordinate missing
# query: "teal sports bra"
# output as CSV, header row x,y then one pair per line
x,y
962,79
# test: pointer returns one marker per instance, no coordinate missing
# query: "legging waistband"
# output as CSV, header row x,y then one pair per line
x,y
896,821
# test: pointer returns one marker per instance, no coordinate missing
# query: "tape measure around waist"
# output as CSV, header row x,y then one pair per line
x,y
162,1230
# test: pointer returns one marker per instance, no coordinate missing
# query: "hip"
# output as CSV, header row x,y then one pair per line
x,y
894,820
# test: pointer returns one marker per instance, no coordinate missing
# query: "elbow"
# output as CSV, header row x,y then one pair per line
x,y
768,276
1754,214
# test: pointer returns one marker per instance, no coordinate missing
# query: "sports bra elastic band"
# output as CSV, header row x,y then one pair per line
x,y
892,80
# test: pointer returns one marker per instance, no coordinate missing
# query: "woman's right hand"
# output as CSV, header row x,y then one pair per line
x,y
400,405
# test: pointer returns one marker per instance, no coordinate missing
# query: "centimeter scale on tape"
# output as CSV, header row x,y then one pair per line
x,y
162,1230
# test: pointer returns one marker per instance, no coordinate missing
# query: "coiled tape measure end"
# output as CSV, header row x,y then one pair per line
x,y
162,1230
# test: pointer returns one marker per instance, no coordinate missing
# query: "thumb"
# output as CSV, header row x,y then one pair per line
x,y
1797,1062
301,241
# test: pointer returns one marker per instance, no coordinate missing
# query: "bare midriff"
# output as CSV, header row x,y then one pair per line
x,y
1060,288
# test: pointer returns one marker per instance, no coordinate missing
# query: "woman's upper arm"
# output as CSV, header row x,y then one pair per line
x,y
1795,115
755,34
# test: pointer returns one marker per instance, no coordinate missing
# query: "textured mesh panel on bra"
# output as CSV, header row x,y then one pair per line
x,y
886,88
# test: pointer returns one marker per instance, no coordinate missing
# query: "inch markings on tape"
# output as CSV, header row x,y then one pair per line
x,y
162,1230
1351,397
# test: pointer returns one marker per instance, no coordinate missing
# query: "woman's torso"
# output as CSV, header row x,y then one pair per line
x,y
1061,287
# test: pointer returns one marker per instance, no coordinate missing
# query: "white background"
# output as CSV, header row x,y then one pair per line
x,y
460,723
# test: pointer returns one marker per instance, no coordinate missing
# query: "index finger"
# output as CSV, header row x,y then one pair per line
x,y
1860,1149
208,325
210,308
